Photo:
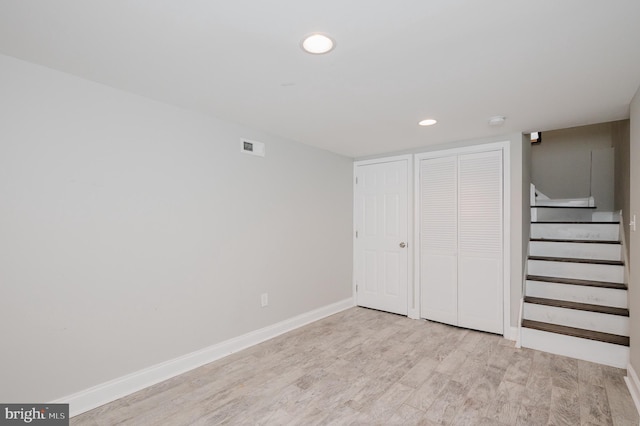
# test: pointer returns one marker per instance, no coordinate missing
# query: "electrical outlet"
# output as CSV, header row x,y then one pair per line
x,y
264,299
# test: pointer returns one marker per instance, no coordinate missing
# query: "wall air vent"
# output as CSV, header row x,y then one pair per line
x,y
252,147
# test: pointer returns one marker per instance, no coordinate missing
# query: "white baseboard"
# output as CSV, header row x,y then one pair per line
x,y
104,393
633,383
518,329
513,334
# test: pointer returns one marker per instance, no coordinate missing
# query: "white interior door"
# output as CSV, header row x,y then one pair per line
x,y
439,239
381,222
480,269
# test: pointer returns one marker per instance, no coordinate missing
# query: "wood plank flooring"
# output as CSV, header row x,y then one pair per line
x,y
372,368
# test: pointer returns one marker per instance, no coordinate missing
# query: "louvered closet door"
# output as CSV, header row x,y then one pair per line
x,y
439,236
461,270
480,269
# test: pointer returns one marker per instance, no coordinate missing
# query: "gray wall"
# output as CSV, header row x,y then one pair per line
x,y
133,232
520,217
561,164
634,261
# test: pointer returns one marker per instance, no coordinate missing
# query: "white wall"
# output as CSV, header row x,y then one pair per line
x,y
634,239
133,232
561,165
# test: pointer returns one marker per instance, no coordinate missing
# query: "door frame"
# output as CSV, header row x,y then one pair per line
x,y
413,310
506,225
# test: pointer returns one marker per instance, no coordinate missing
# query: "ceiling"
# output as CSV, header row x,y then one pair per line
x,y
543,64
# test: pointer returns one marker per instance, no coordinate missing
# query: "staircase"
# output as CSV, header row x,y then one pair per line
x,y
575,301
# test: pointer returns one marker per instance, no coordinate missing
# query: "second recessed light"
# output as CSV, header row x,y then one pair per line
x,y
498,120
318,44
428,122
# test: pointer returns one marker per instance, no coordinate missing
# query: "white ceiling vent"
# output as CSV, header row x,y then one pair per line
x,y
252,147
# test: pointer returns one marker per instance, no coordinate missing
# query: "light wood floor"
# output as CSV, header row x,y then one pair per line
x,y
367,367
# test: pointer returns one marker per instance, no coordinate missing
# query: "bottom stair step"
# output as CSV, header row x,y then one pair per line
x,y
576,343
577,332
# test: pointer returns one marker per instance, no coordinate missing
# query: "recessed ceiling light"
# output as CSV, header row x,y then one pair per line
x,y
317,44
498,120
428,122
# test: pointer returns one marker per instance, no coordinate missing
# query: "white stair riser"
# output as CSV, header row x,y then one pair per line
x,y
578,293
557,214
576,250
581,271
595,321
576,231
606,217
575,347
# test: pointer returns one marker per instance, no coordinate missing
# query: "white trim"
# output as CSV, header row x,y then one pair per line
x,y
623,242
354,209
633,383
416,236
104,393
493,146
506,233
413,309
506,215
523,291
408,157
519,328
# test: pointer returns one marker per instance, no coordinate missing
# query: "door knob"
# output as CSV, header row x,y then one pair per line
x,y
402,245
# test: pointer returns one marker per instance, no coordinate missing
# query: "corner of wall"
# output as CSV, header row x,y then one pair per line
x,y
634,238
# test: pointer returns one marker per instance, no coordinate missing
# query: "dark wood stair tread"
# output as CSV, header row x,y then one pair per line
x,y
570,222
565,207
550,240
573,281
577,332
575,260
577,306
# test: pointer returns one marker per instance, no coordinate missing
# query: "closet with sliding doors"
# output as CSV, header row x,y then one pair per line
x,y
460,220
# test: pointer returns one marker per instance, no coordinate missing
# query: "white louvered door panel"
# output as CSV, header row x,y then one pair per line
x,y
438,240
480,269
